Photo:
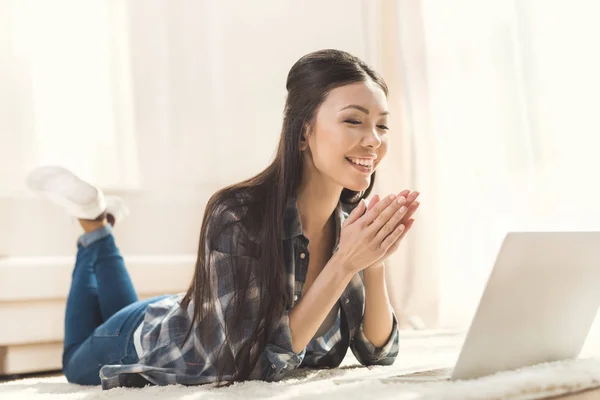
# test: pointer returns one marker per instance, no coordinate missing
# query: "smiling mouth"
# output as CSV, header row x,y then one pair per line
x,y
365,166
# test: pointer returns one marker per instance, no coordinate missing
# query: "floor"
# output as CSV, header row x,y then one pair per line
x,y
8,378
585,395
419,352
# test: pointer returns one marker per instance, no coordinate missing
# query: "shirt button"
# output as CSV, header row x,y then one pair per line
x,y
295,297
302,256
347,301
273,366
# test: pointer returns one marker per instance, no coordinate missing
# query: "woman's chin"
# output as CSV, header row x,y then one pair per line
x,y
358,186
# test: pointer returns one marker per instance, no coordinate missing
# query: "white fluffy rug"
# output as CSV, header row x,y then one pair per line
x,y
419,351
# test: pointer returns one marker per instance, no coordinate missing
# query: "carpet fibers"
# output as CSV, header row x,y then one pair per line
x,y
418,352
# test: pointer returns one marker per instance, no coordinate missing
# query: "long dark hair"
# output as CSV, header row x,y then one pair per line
x,y
265,196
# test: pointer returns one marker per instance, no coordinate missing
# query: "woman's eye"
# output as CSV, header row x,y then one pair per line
x,y
357,122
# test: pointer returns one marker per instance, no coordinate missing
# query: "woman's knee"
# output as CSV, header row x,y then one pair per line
x,y
80,377
80,369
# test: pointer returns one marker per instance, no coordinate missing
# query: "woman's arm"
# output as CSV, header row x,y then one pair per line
x,y
309,313
365,237
376,340
378,318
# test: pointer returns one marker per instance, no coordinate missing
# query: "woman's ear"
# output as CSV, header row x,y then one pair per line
x,y
304,138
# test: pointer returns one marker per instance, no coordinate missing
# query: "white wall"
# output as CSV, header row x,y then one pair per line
x,y
197,90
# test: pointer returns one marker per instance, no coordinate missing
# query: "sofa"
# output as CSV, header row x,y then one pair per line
x,y
33,293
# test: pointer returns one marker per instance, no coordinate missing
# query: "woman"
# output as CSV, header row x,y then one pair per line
x,y
284,276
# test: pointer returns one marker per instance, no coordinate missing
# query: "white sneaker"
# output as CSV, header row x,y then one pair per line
x,y
116,207
61,186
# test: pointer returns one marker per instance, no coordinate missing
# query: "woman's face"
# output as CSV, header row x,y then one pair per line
x,y
350,135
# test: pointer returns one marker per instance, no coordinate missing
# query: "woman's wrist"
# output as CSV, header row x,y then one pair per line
x,y
374,272
379,265
345,267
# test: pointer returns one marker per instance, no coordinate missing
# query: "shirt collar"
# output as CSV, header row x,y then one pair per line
x,y
292,226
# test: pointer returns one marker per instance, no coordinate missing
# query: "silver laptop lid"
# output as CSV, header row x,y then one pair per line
x,y
539,303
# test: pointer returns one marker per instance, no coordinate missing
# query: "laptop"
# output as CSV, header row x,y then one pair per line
x,y
538,306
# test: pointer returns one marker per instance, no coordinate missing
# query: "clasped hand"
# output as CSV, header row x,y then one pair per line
x,y
373,232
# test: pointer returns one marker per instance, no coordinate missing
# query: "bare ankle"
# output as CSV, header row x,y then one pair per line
x,y
90,225
111,219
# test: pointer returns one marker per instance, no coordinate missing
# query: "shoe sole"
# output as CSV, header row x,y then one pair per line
x,y
64,197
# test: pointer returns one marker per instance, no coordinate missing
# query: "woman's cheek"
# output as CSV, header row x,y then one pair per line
x,y
382,151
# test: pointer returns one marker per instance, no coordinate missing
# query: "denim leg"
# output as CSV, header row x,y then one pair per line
x,y
83,313
111,343
94,298
115,288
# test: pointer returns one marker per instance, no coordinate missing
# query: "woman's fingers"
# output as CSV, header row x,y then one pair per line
x,y
387,219
411,210
374,214
394,236
395,245
374,200
392,249
407,225
377,213
412,197
404,193
355,214
392,222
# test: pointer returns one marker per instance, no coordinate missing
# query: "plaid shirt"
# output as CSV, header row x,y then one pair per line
x,y
165,361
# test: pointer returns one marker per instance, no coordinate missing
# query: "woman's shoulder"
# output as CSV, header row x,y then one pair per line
x,y
232,216
230,206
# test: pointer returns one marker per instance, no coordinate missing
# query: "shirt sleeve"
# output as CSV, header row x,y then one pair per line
x,y
232,262
278,358
367,354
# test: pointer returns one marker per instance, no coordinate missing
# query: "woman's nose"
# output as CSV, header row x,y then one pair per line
x,y
372,139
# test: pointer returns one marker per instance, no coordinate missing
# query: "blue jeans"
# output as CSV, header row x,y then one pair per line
x,y
102,311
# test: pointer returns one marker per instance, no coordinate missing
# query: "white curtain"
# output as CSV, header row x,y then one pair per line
x,y
149,94
63,67
160,101
493,104
500,102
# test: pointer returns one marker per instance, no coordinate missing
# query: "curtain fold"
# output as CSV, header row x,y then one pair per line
x,y
497,99
411,275
155,94
66,98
